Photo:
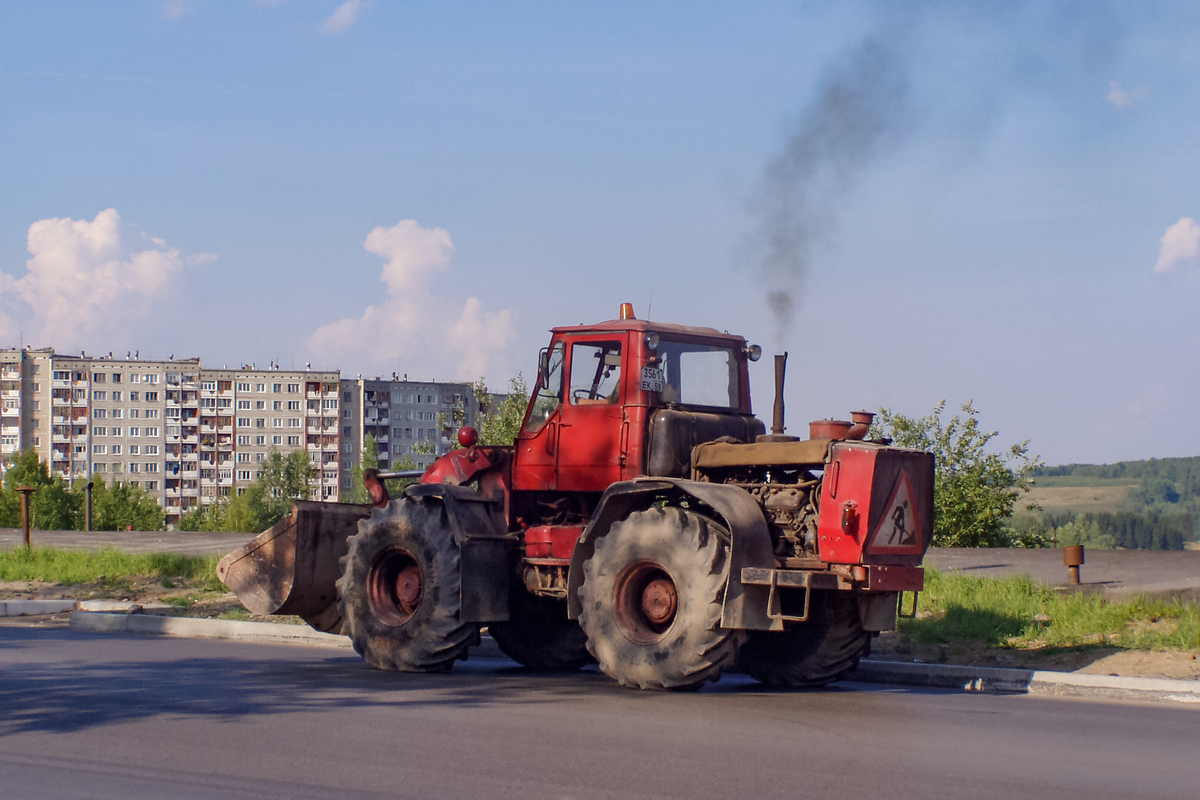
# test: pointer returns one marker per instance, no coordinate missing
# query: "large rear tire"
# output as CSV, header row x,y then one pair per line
x,y
821,650
540,636
399,590
651,599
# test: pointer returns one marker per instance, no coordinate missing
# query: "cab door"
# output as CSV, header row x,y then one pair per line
x,y
537,444
591,417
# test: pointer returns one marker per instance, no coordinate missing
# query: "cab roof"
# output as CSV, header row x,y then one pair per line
x,y
643,325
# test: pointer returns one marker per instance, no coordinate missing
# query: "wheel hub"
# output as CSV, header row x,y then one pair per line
x,y
659,601
394,587
646,602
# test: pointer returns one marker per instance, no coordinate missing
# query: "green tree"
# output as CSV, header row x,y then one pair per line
x,y
500,418
974,490
117,507
52,506
284,479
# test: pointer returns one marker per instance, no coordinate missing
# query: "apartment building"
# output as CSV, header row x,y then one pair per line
x,y
186,435
414,420
189,435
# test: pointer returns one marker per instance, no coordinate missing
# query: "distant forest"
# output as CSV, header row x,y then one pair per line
x,y
1162,510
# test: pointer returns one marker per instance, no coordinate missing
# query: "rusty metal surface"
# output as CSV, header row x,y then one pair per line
x,y
291,567
714,455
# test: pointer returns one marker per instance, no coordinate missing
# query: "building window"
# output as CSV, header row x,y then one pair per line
x,y
99,377
150,431
115,431
243,457
100,449
99,395
243,405
293,422
116,412
150,449
243,440
277,405
99,431
135,432
276,388
260,405
293,405
346,396
243,422
99,413
329,403
243,387
258,457
347,414
208,386
133,397
260,422
293,388
294,441
276,440
243,475
133,450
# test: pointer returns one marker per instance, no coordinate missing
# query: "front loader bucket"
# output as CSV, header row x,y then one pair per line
x,y
291,567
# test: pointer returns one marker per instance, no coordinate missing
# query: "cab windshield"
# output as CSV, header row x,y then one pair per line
x,y
699,375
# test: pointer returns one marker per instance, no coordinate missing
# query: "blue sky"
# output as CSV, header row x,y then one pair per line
x,y
1002,211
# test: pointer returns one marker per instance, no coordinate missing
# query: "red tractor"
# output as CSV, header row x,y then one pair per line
x,y
643,519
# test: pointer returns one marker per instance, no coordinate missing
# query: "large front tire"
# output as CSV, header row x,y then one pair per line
x,y
399,590
651,600
823,649
539,635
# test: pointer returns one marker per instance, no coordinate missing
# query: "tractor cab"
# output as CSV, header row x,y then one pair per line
x,y
627,398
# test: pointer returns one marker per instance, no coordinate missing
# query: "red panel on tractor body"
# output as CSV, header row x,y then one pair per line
x,y
876,505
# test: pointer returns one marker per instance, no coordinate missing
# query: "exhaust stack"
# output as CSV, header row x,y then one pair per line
x,y
777,426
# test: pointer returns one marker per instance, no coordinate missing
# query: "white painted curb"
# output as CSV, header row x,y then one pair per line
x,y
1025,681
97,622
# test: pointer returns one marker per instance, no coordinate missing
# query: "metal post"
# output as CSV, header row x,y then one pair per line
x,y
87,522
25,492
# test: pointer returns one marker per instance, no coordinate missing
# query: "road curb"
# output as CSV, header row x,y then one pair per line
x,y
26,608
1026,681
190,627
991,680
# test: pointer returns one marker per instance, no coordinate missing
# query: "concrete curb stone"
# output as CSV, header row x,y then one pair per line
x,y
1026,681
99,622
25,608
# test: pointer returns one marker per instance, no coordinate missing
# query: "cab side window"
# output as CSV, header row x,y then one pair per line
x,y
595,373
549,388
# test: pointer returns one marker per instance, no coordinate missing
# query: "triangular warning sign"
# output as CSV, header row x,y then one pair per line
x,y
899,528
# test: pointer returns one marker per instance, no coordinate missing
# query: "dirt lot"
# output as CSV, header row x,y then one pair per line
x,y
892,646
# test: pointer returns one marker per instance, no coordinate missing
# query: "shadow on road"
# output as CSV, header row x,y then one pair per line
x,y
46,694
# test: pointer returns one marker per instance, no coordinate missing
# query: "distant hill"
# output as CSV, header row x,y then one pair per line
x,y
1152,504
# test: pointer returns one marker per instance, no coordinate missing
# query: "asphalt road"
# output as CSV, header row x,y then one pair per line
x,y
130,717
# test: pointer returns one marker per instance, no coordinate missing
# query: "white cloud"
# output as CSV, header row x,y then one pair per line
x,y
1181,242
1122,98
416,329
88,283
174,9
343,17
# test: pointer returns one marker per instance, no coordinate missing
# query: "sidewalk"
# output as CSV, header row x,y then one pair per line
x,y
1117,574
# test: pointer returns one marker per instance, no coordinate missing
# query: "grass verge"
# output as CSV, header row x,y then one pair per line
x,y
1021,613
110,566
